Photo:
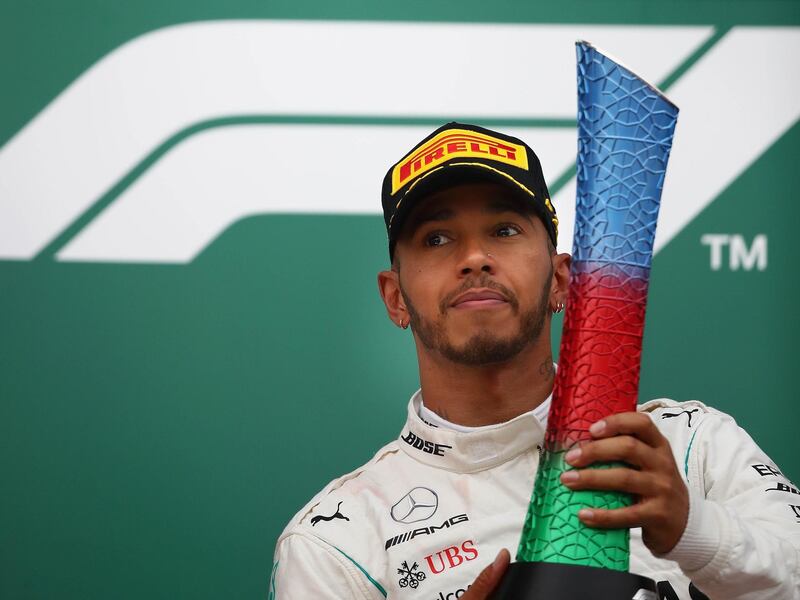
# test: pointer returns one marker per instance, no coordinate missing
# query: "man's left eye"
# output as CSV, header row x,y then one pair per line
x,y
507,231
437,239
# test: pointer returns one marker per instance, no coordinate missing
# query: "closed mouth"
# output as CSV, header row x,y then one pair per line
x,y
479,298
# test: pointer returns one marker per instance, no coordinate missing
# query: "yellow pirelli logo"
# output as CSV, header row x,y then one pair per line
x,y
455,143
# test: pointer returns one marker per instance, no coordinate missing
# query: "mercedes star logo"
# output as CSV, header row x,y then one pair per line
x,y
417,505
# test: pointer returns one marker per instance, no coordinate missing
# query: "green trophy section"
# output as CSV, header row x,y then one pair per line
x,y
553,532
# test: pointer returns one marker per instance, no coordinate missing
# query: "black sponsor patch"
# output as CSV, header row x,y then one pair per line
x,y
688,413
410,576
424,445
784,487
410,535
766,470
336,515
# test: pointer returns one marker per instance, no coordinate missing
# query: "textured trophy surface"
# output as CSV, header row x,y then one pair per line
x,y
625,131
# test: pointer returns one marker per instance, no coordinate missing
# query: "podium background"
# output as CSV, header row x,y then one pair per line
x,y
161,419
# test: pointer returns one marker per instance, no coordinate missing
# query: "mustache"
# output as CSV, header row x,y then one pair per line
x,y
483,281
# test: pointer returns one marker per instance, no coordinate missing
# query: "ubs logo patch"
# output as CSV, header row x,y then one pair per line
x,y
451,557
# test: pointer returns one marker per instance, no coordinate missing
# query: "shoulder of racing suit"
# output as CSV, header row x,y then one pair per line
x,y
335,534
742,539
680,423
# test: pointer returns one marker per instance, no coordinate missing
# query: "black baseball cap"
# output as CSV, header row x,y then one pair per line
x,y
458,153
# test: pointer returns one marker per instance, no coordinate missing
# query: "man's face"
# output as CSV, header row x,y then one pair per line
x,y
475,273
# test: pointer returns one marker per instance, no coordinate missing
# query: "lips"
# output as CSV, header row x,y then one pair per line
x,y
479,298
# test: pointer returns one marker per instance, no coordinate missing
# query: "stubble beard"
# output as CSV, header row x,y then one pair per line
x,y
484,347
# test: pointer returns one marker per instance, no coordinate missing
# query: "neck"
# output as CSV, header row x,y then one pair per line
x,y
485,395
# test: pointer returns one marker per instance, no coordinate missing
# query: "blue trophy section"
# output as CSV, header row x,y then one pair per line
x,y
625,131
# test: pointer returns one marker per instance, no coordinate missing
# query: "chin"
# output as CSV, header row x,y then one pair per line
x,y
478,321
497,331
484,351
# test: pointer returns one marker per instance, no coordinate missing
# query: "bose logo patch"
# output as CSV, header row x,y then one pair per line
x,y
425,445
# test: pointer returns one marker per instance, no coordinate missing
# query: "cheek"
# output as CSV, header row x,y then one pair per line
x,y
530,276
422,289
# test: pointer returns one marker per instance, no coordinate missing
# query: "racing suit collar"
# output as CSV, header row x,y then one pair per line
x,y
472,451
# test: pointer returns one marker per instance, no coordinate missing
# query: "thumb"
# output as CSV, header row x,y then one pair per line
x,y
488,579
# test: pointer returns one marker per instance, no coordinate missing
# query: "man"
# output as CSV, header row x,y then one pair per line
x,y
475,274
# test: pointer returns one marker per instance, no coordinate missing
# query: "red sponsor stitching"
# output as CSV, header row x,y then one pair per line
x,y
451,557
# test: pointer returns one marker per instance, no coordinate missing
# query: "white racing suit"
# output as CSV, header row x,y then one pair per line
x,y
433,508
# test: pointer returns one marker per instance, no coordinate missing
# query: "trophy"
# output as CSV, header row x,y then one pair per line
x,y
625,131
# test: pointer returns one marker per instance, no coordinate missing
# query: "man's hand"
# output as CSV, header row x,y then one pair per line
x,y
488,579
662,500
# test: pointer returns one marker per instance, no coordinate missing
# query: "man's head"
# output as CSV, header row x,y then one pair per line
x,y
474,266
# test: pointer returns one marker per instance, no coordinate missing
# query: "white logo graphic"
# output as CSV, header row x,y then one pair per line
x,y
738,253
163,86
417,505
645,595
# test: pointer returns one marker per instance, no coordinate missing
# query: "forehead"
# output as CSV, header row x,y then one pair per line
x,y
485,198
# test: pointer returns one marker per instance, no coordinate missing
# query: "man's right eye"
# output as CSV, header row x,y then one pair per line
x,y
437,239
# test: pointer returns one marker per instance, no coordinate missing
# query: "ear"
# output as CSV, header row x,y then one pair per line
x,y
560,283
389,287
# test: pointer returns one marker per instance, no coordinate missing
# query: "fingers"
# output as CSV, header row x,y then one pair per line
x,y
662,520
635,424
628,437
488,579
616,479
623,448
619,518
652,477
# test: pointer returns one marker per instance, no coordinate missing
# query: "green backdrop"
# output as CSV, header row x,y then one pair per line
x,y
160,423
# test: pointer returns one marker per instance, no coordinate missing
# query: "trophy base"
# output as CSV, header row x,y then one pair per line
x,y
546,581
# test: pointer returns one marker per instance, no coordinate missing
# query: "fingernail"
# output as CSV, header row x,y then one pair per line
x,y
569,476
585,513
598,427
573,455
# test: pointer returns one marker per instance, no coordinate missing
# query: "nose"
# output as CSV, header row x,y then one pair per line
x,y
476,259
